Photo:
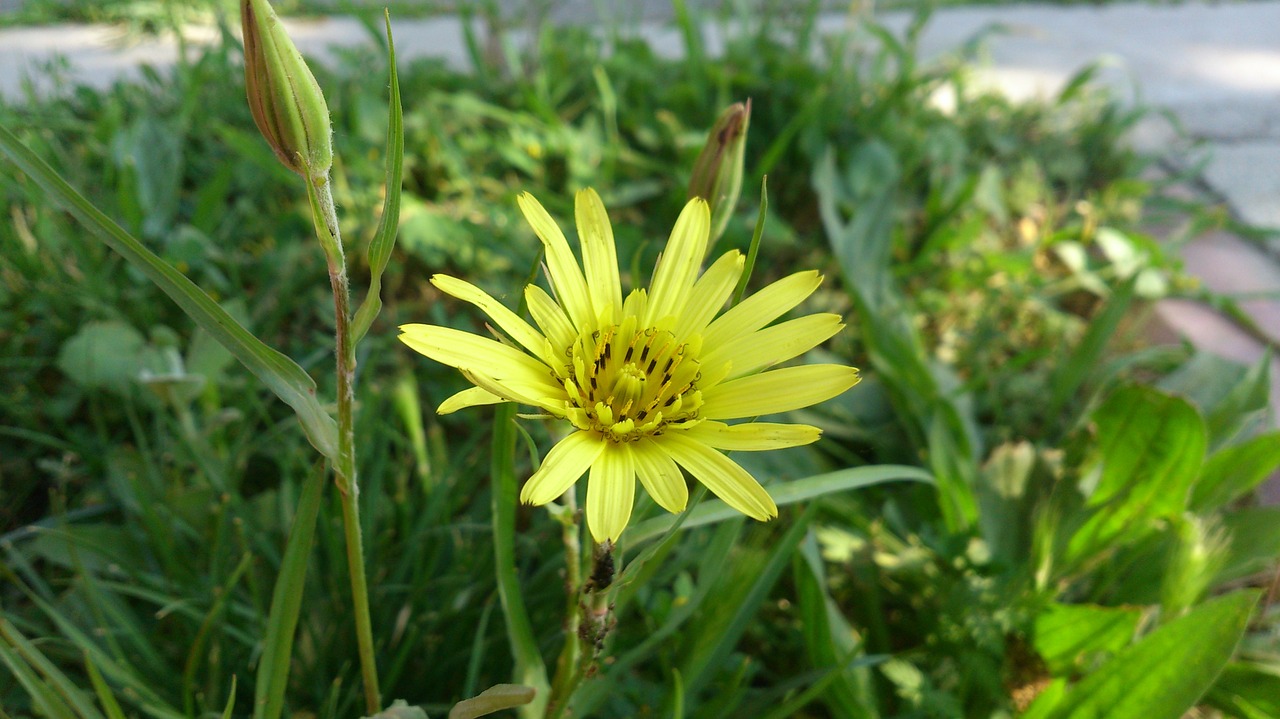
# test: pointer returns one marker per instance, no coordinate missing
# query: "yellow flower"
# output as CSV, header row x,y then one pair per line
x,y
646,382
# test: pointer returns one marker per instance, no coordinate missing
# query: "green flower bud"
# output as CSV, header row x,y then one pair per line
x,y
717,174
285,99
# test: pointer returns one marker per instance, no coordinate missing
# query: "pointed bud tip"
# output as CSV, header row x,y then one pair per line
x,y
284,97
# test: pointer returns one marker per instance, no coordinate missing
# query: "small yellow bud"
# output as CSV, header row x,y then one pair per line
x,y
717,173
285,99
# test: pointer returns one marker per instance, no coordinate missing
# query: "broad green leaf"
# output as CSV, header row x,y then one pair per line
x,y
1166,673
108,355
1150,447
152,147
1229,399
1049,698
1248,691
384,239
286,603
715,510
493,699
1255,542
280,374
1068,636
1235,471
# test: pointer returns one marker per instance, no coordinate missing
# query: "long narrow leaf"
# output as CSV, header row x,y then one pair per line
x,y
1084,359
286,603
46,700
231,699
54,680
715,510
385,238
280,374
105,697
530,670
720,634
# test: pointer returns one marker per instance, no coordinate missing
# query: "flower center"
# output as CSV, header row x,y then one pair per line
x,y
626,383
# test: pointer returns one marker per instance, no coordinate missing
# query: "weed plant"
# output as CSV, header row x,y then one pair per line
x,y
1082,547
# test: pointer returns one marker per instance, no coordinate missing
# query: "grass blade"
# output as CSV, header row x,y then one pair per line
x,y
1086,356
530,670
286,603
55,692
715,510
720,633
105,697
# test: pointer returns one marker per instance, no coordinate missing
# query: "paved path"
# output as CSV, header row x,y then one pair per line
x,y
1214,67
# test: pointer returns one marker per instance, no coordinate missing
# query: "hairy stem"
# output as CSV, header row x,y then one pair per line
x,y
567,666
326,222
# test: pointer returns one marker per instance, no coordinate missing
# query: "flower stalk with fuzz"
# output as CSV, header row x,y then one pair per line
x,y
647,384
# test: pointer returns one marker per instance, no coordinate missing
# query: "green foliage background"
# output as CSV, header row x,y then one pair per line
x,y
1090,497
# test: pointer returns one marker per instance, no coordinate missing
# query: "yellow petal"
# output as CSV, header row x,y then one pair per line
x,y
485,356
550,317
710,293
507,321
661,478
764,348
752,437
635,304
520,392
679,263
724,477
562,267
611,491
563,465
470,397
599,254
761,308
779,390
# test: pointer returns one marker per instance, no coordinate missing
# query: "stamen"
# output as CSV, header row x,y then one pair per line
x,y
627,398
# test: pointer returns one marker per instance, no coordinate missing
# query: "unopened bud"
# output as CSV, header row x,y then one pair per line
x,y
717,174
285,99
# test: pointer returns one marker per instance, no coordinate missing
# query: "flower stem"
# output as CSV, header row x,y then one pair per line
x,y
326,222
587,626
571,654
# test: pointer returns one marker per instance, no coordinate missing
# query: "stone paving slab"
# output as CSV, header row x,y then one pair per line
x,y
1237,268
1247,174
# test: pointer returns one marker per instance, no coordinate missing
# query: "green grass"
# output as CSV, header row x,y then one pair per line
x,y
986,259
